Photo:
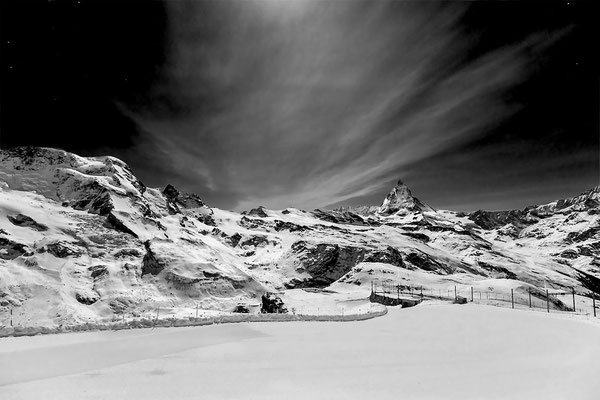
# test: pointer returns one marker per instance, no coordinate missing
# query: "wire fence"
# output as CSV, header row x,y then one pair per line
x,y
516,297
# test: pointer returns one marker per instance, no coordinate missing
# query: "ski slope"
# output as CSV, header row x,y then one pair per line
x,y
431,351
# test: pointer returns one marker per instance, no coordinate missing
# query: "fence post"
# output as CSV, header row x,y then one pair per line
x,y
594,302
547,301
512,298
454,292
573,298
529,290
471,294
196,311
11,314
398,288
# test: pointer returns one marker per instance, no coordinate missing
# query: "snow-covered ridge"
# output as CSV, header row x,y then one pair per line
x,y
82,239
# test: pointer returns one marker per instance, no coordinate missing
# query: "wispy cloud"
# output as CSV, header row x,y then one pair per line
x,y
307,103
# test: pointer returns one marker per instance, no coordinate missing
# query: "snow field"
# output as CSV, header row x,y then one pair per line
x,y
427,352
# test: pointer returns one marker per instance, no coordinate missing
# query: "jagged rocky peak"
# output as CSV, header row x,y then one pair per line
x,y
401,199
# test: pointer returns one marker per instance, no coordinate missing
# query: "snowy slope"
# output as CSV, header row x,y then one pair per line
x,y
82,239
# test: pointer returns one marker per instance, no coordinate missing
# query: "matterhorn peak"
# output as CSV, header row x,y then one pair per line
x,y
400,198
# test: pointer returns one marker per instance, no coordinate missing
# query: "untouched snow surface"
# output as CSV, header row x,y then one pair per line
x,y
432,351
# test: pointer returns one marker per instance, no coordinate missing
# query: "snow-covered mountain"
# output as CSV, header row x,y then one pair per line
x,y
82,239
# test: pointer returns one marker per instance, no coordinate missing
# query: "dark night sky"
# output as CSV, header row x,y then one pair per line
x,y
491,105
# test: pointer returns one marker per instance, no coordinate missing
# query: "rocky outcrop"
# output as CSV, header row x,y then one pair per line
x,y
27,222
289,226
339,217
497,271
87,298
489,220
324,262
115,223
150,264
388,256
427,263
98,271
176,201
62,249
9,250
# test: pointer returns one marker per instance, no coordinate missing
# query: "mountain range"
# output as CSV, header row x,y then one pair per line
x,y
82,239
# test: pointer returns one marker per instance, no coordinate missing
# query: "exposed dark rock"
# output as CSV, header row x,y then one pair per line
x,y
207,220
115,223
95,198
569,253
62,249
255,241
325,262
170,192
426,263
498,271
150,265
258,212
98,271
591,282
253,223
127,253
272,304
87,299
211,275
177,200
576,237
232,240
590,249
388,256
28,222
416,235
11,250
489,220
339,217
289,226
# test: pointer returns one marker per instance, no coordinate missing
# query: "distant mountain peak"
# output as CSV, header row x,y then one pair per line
x,y
400,198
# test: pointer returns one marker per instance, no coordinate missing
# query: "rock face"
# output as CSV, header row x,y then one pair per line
x,y
28,222
325,263
400,199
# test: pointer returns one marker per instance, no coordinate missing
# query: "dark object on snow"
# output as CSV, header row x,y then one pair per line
x,y
272,304
460,300
63,249
28,222
11,250
241,308
150,265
